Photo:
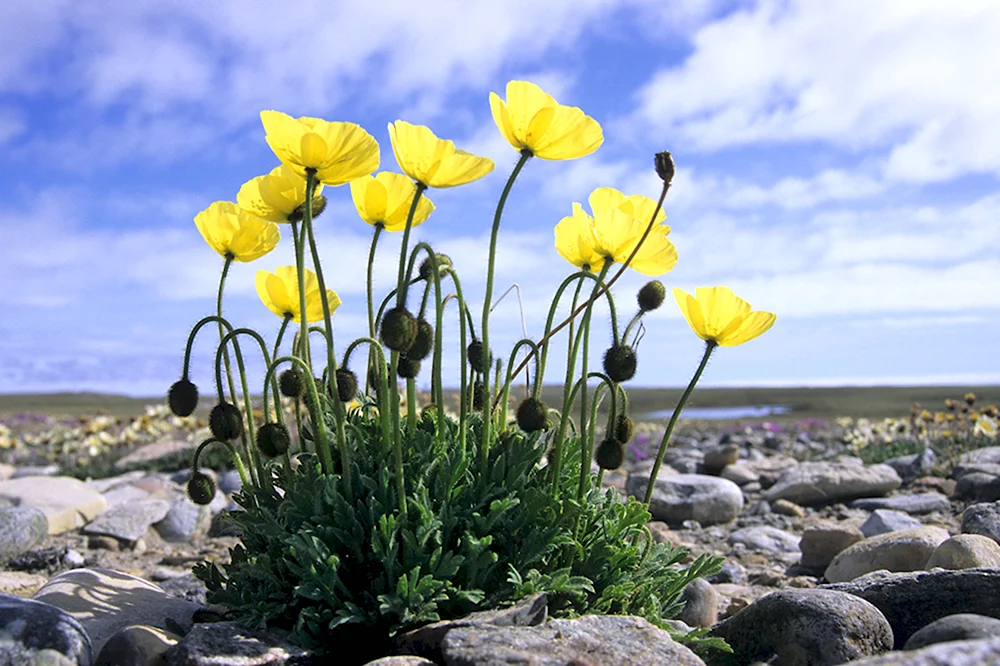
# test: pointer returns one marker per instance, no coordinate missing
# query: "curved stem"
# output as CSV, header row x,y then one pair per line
x,y
709,348
401,285
240,469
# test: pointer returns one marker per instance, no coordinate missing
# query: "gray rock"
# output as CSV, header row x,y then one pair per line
x,y
30,628
731,572
217,643
808,627
959,627
403,660
66,502
21,529
978,487
701,604
961,469
914,465
137,645
717,457
739,474
913,504
982,519
591,639
128,521
883,521
230,482
707,499
184,521
911,601
966,551
987,454
821,543
830,482
954,653
906,550
766,538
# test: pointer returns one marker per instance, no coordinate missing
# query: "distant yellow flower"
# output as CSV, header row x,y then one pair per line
x,y
433,161
277,196
236,234
339,152
717,314
386,199
532,120
613,233
279,291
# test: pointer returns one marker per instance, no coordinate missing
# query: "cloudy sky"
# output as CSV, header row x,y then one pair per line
x,y
838,165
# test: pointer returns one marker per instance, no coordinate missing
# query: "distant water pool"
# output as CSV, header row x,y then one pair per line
x,y
717,413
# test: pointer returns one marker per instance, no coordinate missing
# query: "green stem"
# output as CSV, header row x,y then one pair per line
x,y
240,469
225,356
709,348
322,443
401,284
587,425
370,296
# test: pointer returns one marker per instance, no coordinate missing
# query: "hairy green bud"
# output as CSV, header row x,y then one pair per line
x,y
423,344
610,454
478,358
201,488
299,214
399,329
273,439
347,384
651,295
408,368
624,429
182,397
532,415
478,396
225,421
427,270
619,363
292,383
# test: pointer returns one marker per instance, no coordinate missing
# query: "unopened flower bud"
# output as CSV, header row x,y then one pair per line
x,y
532,415
478,357
347,384
664,163
291,383
201,488
319,205
624,429
182,397
427,270
273,439
399,329
619,363
610,454
225,421
408,368
651,295
423,344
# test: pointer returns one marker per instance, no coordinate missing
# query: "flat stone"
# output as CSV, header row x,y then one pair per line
x,y
783,507
812,483
137,645
31,627
808,627
739,474
591,639
953,653
987,454
707,499
155,451
109,483
22,528
966,551
66,502
917,504
223,643
20,583
405,660
958,627
718,457
821,543
978,487
906,550
982,519
884,521
911,601
766,538
128,520
105,602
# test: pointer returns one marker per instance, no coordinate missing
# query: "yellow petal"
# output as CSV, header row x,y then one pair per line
x,y
720,306
753,325
532,119
576,242
691,309
433,161
605,197
501,117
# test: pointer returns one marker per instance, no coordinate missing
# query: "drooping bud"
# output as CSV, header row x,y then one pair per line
x,y
201,488
319,205
664,163
399,329
408,368
273,439
292,383
347,384
478,357
225,421
182,397
619,363
651,295
423,344
478,396
624,429
427,270
610,454
532,415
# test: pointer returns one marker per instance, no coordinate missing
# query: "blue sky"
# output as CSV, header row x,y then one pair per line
x,y
837,162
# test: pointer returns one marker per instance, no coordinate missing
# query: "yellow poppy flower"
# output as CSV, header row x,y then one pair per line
x,y
275,197
532,120
386,199
236,234
613,232
433,161
717,314
339,152
279,291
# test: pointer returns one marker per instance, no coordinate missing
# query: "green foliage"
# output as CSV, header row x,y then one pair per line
x,y
879,452
474,536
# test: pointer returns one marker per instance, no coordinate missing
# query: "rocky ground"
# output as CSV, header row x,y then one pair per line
x,y
791,509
